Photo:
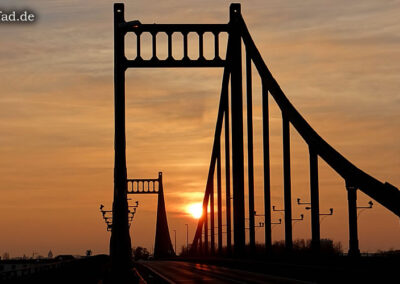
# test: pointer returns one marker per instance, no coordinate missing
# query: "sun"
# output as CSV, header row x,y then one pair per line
x,y
195,209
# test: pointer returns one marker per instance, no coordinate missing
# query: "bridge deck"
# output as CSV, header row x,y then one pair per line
x,y
187,272
334,269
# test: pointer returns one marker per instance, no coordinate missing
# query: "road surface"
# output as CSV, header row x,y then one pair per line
x,y
186,272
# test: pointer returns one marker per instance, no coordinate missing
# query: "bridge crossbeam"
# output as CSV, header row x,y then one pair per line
x,y
143,186
163,244
173,63
172,29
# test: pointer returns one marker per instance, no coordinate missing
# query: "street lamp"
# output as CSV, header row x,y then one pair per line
x,y
323,214
108,218
277,223
366,207
134,206
277,210
302,203
309,208
299,219
260,225
262,215
362,208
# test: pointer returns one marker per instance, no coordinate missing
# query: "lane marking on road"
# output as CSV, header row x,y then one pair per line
x,y
229,274
141,280
159,274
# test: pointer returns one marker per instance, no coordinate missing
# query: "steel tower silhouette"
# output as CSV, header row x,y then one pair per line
x,y
230,119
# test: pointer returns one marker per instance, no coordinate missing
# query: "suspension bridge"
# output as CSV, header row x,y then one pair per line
x,y
230,139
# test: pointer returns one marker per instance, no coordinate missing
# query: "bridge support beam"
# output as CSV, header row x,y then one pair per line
x,y
228,179
237,131
199,249
353,230
314,188
212,217
287,183
267,172
120,241
219,198
206,245
250,155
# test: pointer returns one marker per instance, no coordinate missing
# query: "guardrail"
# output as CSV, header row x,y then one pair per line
x,y
74,270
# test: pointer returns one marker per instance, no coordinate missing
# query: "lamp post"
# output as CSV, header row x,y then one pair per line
x,y
315,220
322,214
107,218
302,203
299,219
108,215
370,204
277,223
277,210
263,215
132,212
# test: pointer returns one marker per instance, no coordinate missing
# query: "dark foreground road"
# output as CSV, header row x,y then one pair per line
x,y
186,272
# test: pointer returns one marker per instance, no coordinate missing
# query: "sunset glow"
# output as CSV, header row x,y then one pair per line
x,y
338,64
195,210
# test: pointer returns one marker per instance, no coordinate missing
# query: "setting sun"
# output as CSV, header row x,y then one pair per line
x,y
195,210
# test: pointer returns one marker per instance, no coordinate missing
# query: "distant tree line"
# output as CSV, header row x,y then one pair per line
x,y
140,253
328,247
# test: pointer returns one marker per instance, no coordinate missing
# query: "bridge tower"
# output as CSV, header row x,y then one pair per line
x,y
120,241
163,245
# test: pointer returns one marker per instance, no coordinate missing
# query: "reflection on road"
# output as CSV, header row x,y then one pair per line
x,y
186,272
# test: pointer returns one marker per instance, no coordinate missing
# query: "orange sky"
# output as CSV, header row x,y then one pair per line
x,y
338,63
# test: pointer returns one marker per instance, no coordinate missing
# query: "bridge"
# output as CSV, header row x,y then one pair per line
x,y
229,138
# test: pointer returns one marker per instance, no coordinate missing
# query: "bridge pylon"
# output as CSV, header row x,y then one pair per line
x,y
120,241
162,244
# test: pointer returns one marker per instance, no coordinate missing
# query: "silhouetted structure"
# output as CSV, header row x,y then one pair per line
x,y
107,215
384,193
315,222
120,241
163,245
230,115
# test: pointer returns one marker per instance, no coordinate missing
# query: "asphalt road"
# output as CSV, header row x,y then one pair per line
x,y
186,272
